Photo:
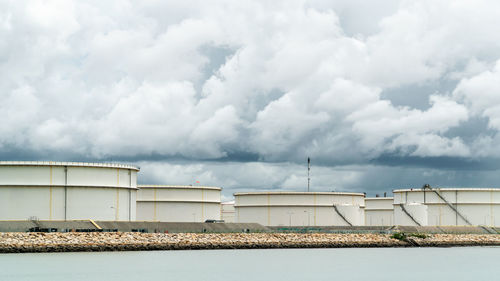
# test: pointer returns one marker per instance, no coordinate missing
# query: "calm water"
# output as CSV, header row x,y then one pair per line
x,y
477,263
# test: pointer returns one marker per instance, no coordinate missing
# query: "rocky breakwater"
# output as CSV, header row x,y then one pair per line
x,y
454,240
126,241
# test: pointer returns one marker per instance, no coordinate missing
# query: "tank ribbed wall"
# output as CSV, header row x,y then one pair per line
x,y
299,208
379,211
67,191
174,203
452,206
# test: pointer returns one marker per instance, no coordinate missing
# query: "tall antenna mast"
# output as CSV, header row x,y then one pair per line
x,y
308,173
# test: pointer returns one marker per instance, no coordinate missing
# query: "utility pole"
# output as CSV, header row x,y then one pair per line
x,y
308,173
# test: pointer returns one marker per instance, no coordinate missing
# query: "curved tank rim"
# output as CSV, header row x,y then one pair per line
x,y
448,189
71,164
299,193
62,185
178,186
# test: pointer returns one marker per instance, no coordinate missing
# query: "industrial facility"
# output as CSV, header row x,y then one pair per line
x,y
300,208
447,206
70,191
379,211
67,191
178,203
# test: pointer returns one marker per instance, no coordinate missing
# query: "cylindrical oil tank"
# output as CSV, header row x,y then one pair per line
x,y
379,211
227,211
300,208
454,206
67,191
178,203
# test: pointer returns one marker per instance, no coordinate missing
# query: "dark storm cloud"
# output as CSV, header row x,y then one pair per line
x,y
442,163
471,129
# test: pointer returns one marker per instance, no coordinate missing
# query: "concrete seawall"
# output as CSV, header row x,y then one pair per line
x,y
193,227
126,226
16,242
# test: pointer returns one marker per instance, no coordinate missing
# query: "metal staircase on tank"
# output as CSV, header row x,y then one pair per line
x,y
35,221
488,230
409,215
427,186
341,215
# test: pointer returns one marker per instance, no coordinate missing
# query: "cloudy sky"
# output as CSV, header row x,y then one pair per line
x,y
380,94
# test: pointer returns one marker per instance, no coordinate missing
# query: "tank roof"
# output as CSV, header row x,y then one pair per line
x,y
298,193
379,198
419,189
72,164
178,186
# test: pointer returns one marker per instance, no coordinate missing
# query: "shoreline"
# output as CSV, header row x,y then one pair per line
x,y
19,242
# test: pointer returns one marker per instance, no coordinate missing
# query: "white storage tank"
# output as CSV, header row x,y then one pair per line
x,y
227,211
454,206
300,208
178,203
67,191
379,211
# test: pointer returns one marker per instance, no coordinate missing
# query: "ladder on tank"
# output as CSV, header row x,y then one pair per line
x,y
409,215
447,203
489,230
341,215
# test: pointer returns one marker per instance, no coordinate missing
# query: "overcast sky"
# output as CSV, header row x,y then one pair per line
x,y
380,94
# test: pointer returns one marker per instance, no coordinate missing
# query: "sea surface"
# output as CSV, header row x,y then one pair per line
x,y
467,263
